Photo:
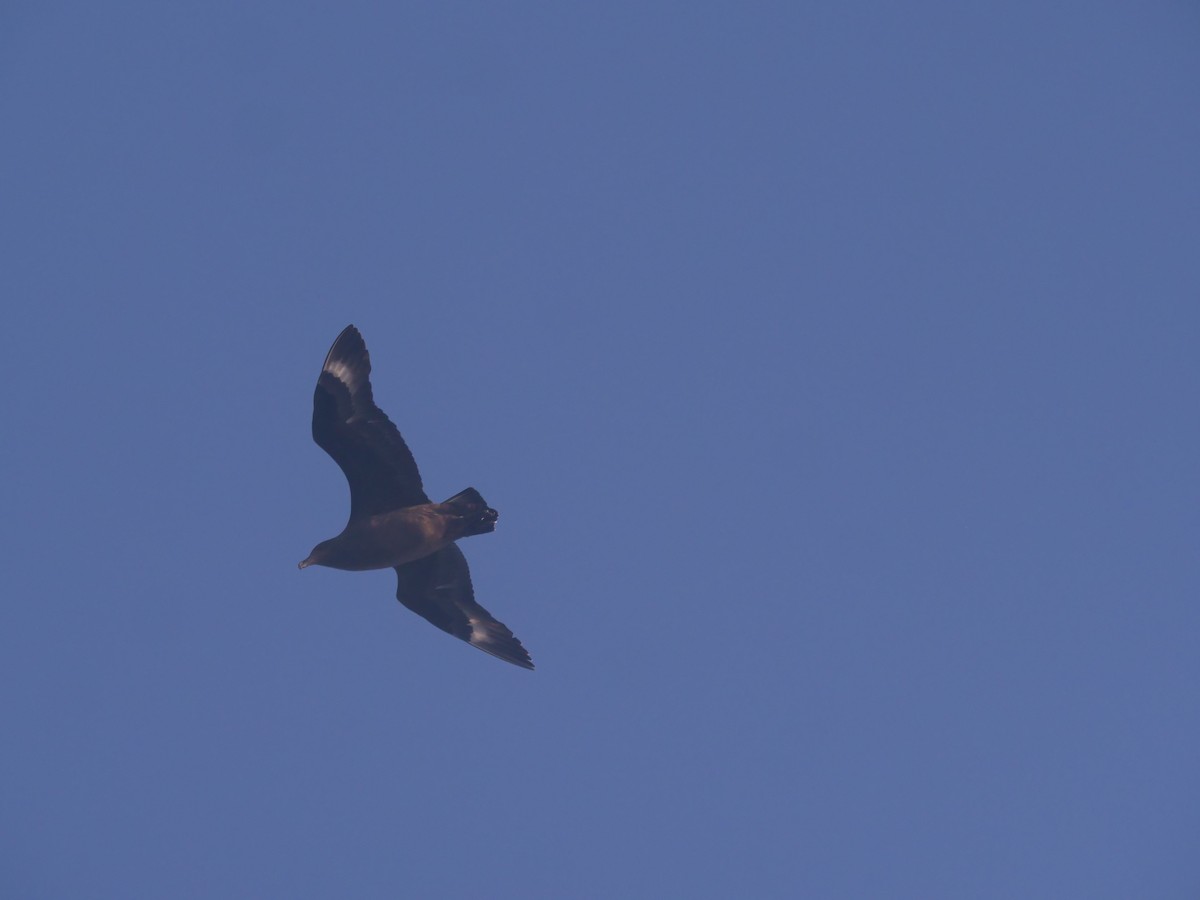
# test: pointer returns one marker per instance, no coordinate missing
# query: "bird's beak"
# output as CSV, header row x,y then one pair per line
x,y
304,563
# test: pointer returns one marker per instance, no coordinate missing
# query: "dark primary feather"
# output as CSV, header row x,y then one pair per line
x,y
438,588
358,435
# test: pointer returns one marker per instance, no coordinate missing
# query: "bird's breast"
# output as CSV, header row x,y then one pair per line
x,y
395,538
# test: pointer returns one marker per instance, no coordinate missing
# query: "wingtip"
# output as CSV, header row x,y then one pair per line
x,y
494,637
521,662
349,342
514,653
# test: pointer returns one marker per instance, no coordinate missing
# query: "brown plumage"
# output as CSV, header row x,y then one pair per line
x,y
392,522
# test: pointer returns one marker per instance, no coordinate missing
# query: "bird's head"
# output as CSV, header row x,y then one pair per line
x,y
318,556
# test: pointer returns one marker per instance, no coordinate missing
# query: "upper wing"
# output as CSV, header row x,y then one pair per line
x,y
438,588
362,440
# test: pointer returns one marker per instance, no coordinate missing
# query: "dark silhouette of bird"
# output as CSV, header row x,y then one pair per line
x,y
392,522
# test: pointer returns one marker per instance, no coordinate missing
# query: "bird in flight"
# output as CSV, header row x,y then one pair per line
x,y
392,523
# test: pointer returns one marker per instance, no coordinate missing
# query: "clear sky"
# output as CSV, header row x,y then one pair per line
x,y
833,368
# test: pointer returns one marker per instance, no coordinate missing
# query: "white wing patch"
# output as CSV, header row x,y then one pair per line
x,y
340,371
480,634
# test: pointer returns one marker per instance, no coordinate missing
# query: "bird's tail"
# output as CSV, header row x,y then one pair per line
x,y
477,517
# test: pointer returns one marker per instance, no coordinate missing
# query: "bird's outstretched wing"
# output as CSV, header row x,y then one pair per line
x,y
438,588
358,435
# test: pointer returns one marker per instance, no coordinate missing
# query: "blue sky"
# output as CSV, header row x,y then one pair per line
x,y
833,368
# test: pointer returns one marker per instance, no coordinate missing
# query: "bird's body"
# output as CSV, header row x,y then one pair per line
x,y
392,522
401,536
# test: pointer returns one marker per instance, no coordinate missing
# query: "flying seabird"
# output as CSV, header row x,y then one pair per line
x,y
392,523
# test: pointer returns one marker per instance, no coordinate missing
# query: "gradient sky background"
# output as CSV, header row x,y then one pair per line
x,y
834,370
